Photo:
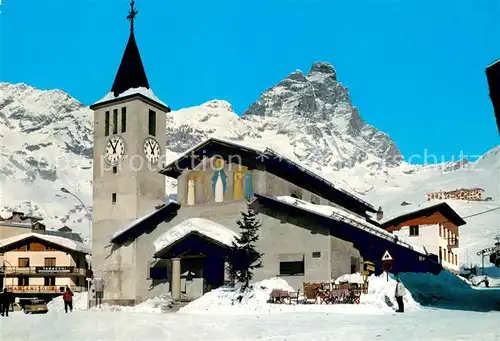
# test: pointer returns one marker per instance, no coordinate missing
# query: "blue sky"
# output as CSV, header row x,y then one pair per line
x,y
415,68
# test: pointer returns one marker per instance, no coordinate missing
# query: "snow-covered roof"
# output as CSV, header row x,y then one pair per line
x,y
141,219
341,214
404,211
206,227
61,241
134,91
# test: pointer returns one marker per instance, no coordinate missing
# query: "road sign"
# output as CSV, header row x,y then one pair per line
x,y
387,256
387,266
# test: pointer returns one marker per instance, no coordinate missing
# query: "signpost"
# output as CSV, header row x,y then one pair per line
x,y
387,263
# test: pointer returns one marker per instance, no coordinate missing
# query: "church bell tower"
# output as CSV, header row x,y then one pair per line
x,y
129,148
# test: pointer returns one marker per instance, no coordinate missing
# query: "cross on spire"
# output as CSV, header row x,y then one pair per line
x,y
132,14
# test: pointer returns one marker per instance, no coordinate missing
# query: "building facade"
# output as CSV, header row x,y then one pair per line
x,y
42,265
468,194
436,228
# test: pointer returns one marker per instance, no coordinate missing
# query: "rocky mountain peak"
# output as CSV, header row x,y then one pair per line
x,y
323,68
320,106
219,104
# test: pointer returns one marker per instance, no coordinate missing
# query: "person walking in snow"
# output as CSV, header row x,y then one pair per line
x,y
399,294
68,300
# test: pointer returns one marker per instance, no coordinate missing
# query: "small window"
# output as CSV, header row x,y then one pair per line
x,y
158,273
113,198
353,268
23,262
414,230
152,123
292,265
316,254
115,170
440,230
49,281
124,119
106,124
115,121
23,281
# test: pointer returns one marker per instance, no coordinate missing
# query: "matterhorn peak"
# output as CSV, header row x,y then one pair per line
x,y
323,67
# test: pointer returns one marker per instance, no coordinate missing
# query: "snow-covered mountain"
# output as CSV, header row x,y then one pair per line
x,y
46,144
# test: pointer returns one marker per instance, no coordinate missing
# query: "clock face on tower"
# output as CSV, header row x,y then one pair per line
x,y
152,150
114,151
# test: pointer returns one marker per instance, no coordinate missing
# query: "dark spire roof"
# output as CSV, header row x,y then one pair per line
x,y
131,72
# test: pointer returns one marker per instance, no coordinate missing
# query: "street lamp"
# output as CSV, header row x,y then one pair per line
x,y
64,190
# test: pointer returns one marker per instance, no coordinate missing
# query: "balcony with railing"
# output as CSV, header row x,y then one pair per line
x,y
41,289
453,243
43,271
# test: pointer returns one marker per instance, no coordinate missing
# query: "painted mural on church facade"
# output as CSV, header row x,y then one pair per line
x,y
220,182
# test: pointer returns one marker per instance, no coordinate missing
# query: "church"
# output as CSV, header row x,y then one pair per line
x,y
143,246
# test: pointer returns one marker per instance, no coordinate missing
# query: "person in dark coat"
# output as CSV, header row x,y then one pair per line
x,y
6,300
68,300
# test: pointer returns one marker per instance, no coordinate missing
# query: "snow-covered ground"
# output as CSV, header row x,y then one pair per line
x,y
158,305
220,315
425,324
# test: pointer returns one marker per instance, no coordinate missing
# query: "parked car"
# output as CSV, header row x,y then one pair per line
x,y
36,306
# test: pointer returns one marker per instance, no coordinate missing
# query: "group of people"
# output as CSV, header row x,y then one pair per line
x,y
7,299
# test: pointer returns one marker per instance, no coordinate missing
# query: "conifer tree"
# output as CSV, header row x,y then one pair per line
x,y
243,256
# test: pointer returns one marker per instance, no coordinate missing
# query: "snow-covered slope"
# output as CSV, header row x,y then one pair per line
x,y
46,144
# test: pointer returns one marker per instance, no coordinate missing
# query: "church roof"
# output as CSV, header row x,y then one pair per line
x,y
273,163
210,229
131,80
138,226
131,72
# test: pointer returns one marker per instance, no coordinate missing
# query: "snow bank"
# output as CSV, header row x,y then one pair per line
x,y
477,281
156,305
253,299
381,295
448,291
79,303
227,300
205,227
355,278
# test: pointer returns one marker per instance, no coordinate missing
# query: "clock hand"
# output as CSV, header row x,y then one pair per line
x,y
151,147
114,147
